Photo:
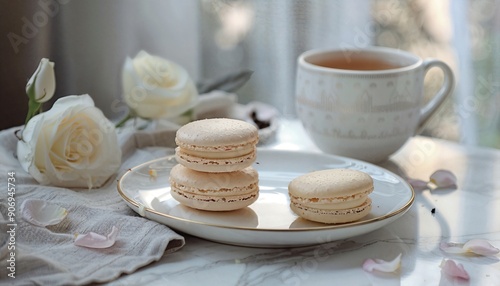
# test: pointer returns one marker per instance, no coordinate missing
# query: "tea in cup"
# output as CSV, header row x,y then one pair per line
x,y
365,103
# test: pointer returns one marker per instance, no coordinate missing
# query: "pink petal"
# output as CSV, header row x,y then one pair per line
x,y
382,265
450,268
477,246
42,213
418,185
95,240
444,179
481,247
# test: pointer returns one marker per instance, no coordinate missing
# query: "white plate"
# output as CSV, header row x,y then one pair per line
x,y
268,222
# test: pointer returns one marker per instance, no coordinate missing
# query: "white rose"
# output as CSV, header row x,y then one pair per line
x,y
71,145
42,83
155,88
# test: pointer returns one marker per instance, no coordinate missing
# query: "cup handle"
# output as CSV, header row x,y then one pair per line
x,y
446,89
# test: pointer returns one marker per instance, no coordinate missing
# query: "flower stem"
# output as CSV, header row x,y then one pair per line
x,y
33,109
124,120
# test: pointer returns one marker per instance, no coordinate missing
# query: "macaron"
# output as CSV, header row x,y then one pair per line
x,y
331,196
216,145
214,191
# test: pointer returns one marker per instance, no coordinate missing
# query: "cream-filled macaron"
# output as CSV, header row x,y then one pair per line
x,y
216,145
214,191
331,196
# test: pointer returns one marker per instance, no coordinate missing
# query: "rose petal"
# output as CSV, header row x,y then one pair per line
x,y
450,268
477,246
444,179
481,247
45,81
42,213
382,265
95,240
418,185
42,82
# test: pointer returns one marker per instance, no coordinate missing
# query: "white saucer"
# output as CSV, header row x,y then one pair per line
x,y
268,222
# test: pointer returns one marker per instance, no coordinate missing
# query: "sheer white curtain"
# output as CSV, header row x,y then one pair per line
x,y
464,89
273,37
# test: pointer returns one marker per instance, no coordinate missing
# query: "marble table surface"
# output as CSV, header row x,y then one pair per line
x,y
471,211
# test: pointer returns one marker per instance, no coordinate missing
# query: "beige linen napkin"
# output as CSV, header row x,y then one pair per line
x,y
47,255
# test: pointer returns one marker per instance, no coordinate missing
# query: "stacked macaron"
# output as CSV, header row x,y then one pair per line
x,y
214,171
331,196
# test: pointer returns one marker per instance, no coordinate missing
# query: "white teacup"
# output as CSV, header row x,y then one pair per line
x,y
365,103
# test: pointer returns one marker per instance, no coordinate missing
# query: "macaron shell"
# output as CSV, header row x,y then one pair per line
x,y
331,183
214,165
333,216
217,145
229,132
332,195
